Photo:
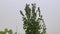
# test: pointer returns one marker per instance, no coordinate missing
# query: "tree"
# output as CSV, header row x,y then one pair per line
x,y
33,23
7,31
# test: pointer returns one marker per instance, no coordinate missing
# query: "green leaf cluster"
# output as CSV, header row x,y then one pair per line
x,y
7,31
33,22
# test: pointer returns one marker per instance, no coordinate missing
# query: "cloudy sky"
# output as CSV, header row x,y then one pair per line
x,y
10,17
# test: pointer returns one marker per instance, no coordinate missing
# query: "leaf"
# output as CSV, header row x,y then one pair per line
x,y
39,11
21,13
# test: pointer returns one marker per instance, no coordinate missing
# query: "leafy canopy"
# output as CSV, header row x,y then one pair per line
x,y
33,22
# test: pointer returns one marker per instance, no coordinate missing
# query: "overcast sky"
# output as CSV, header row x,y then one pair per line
x,y
10,17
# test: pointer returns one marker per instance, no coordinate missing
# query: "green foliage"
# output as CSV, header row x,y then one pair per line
x,y
33,21
7,31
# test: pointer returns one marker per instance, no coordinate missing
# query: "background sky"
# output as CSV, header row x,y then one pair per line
x,y
10,17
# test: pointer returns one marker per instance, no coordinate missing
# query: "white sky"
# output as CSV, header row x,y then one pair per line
x,y
10,17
